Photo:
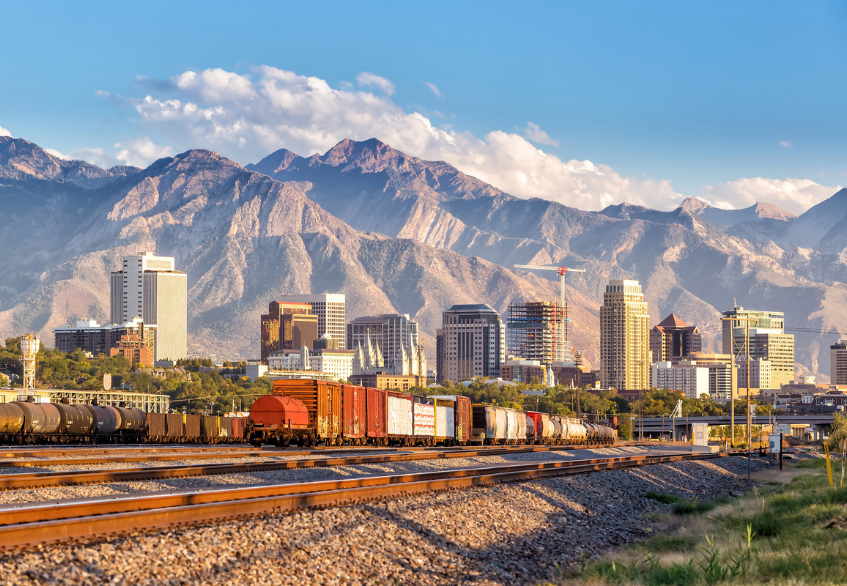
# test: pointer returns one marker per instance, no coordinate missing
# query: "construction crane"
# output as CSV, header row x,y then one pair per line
x,y
562,271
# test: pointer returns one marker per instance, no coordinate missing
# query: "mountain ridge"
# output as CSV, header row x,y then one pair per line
x,y
396,233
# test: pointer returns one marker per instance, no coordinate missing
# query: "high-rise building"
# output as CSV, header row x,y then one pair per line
x,y
150,287
686,376
474,343
394,337
288,325
330,309
767,340
532,331
624,337
723,374
838,363
673,338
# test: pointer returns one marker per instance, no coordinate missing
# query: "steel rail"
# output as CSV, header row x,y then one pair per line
x,y
44,522
62,478
29,451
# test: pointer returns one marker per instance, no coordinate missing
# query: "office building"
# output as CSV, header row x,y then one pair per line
x,y
570,374
150,287
389,381
339,363
673,338
326,342
838,363
723,374
386,343
330,309
767,340
624,337
685,376
519,370
533,331
474,343
288,326
135,339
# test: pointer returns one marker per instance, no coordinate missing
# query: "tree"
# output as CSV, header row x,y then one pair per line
x,y
837,431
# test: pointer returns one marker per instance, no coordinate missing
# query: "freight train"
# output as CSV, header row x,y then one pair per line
x,y
311,411
23,422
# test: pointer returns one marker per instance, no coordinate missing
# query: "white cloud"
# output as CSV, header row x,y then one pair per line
x,y
365,79
247,117
792,195
786,144
434,88
142,152
534,133
4,132
57,154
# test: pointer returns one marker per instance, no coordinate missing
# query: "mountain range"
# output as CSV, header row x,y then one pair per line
x,y
396,234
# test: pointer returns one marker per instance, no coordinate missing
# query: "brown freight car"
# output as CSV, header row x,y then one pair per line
x,y
376,417
176,427
192,427
157,426
354,418
322,400
210,429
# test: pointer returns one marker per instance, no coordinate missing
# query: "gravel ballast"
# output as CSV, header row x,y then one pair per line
x,y
296,475
506,534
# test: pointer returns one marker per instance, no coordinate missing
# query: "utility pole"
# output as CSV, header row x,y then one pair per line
x,y
746,321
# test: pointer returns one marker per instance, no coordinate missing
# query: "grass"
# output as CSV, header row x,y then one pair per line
x,y
792,533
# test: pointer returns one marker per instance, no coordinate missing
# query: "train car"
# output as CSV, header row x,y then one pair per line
x,y
279,419
210,429
445,421
558,435
423,420
515,426
77,423
576,432
191,428
462,417
11,419
157,427
354,416
174,427
530,430
322,400
376,413
399,414
107,420
489,424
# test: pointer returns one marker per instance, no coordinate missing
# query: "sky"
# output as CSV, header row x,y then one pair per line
x,y
585,103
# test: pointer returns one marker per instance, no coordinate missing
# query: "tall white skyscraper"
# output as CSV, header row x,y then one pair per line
x,y
625,337
330,309
150,287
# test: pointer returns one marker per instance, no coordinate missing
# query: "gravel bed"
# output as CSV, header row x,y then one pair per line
x,y
300,475
506,534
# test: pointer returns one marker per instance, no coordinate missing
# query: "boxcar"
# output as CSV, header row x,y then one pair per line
x,y
377,417
239,428
398,417
423,420
322,400
462,417
445,421
354,417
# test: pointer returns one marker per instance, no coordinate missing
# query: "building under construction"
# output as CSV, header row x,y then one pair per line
x,y
536,330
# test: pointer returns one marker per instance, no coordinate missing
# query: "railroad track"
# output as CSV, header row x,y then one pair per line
x,y
50,479
42,522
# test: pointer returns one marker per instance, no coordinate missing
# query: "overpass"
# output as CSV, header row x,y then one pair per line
x,y
653,426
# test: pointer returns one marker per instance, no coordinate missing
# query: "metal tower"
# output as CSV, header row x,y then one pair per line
x,y
30,344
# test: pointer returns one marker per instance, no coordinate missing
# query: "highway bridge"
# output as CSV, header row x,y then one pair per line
x,y
655,426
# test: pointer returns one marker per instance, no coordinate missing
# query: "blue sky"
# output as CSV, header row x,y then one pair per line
x,y
722,100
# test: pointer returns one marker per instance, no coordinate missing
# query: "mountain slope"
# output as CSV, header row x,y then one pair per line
x,y
243,239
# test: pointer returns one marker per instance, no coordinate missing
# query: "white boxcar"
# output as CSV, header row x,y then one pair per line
x,y
399,413
445,425
424,419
